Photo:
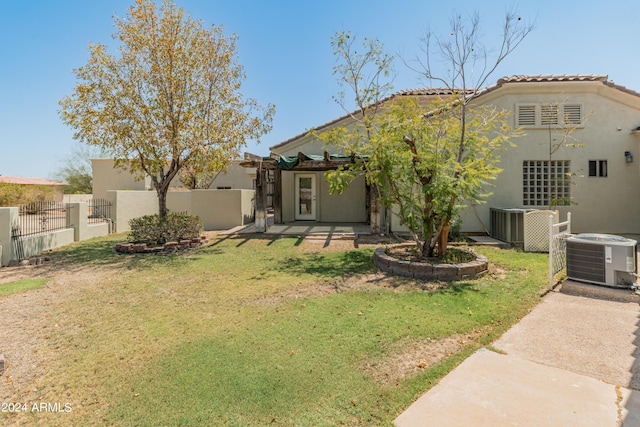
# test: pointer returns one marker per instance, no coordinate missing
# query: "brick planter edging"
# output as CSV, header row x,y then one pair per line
x,y
142,248
429,271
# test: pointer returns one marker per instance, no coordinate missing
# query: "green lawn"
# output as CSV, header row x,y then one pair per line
x,y
260,331
21,286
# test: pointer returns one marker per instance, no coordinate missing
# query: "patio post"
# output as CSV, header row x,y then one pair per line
x,y
277,196
261,211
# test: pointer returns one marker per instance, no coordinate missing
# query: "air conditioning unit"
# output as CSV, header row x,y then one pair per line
x,y
602,259
507,224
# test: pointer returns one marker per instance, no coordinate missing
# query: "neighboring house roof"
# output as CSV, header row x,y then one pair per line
x,y
540,78
29,181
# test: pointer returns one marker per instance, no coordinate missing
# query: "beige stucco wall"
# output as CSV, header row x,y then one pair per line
x,y
218,209
223,209
235,177
106,177
127,204
349,206
605,205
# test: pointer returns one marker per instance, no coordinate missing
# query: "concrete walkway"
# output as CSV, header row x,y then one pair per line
x,y
573,361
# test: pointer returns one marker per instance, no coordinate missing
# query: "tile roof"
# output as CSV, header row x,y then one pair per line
x,y
554,78
539,78
28,181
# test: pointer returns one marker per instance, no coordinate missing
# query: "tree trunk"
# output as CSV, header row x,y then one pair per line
x,y
443,240
162,202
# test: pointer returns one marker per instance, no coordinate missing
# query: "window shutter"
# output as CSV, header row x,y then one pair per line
x,y
573,114
526,115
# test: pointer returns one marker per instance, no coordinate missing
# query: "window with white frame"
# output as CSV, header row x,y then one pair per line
x,y
598,168
550,114
544,184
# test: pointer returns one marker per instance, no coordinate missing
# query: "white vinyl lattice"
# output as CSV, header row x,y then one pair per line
x,y
536,230
559,253
557,246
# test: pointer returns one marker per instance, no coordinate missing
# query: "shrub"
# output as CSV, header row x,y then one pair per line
x,y
153,230
15,194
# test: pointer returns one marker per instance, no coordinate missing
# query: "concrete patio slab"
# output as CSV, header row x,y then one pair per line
x,y
490,389
573,361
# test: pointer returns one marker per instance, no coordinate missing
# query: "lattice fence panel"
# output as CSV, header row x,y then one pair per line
x,y
536,230
559,253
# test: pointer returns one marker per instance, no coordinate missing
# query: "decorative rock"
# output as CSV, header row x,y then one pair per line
x,y
139,248
167,247
14,263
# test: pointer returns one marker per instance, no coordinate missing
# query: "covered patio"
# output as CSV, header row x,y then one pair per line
x,y
358,214
305,228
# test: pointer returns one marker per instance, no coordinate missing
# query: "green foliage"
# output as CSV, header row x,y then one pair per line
x,y
427,160
15,194
170,99
155,230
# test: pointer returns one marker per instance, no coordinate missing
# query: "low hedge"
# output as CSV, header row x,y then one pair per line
x,y
155,231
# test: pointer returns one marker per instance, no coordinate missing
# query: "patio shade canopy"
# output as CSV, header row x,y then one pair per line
x,y
302,161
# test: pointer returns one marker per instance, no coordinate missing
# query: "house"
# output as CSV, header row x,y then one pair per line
x,y
601,193
56,187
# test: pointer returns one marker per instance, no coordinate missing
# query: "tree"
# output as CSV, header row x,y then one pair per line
x,y
76,170
561,126
170,99
429,161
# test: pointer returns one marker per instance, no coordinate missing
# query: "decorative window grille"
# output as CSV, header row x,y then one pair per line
x,y
538,190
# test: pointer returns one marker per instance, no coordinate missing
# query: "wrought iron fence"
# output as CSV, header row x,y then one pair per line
x,y
42,217
99,210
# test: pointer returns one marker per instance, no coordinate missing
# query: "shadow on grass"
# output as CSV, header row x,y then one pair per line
x,y
329,265
458,288
95,252
242,239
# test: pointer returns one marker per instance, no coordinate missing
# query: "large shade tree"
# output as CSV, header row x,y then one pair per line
x,y
169,99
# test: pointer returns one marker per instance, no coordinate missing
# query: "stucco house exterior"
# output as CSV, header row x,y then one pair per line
x,y
603,163
106,177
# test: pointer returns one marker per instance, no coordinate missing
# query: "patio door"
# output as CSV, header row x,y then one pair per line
x,y
305,197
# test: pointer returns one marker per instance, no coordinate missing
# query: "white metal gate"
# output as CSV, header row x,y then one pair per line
x,y
557,246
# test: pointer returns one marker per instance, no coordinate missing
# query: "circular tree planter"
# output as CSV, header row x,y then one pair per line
x,y
424,270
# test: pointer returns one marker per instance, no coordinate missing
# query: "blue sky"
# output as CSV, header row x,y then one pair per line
x,y
285,49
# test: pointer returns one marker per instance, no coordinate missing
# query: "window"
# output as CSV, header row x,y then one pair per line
x,y
540,182
548,114
598,168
